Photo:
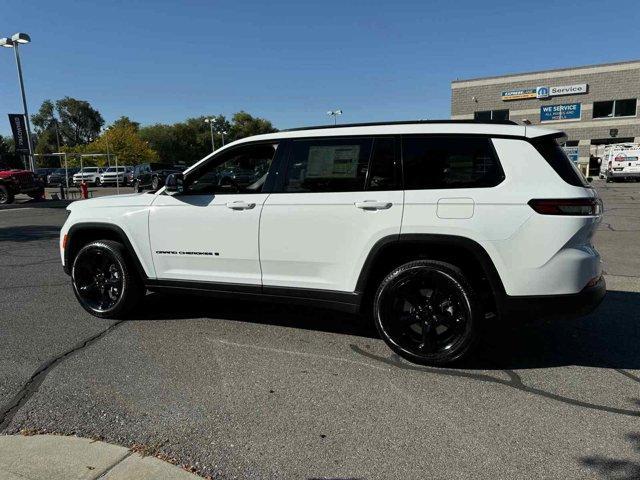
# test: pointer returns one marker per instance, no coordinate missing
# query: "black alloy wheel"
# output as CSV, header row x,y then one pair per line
x,y
155,183
103,280
426,311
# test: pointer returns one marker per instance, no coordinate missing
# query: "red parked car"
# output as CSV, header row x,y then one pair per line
x,y
13,182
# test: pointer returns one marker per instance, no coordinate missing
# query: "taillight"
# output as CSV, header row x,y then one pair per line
x,y
64,242
567,206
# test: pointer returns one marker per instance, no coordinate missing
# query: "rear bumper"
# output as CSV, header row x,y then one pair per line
x,y
555,306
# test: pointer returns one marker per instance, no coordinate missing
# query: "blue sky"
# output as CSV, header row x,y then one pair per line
x,y
163,61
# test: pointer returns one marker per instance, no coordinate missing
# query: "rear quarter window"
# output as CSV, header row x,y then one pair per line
x,y
552,152
433,162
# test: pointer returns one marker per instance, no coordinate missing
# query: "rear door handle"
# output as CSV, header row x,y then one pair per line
x,y
240,205
373,205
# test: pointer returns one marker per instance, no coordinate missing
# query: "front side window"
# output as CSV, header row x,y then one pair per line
x,y
449,162
239,170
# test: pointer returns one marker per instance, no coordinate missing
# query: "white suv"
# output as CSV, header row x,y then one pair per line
x,y
88,175
430,227
115,176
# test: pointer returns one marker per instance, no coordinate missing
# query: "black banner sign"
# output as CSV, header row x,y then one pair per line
x,y
19,129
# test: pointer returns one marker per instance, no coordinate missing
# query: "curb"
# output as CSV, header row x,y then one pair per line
x,y
55,457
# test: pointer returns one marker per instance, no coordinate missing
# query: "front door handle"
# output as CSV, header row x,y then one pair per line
x,y
240,205
373,205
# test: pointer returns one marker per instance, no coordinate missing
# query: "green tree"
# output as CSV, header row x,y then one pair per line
x,y
76,121
245,125
8,157
122,140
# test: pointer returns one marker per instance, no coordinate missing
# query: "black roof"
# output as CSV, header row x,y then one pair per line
x,y
403,122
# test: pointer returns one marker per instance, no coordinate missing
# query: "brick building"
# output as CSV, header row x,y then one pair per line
x,y
595,105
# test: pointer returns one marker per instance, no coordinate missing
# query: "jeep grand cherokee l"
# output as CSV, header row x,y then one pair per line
x,y
429,227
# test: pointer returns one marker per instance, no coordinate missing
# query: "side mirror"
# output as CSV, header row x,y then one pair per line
x,y
174,182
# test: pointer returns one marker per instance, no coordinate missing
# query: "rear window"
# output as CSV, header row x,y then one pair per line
x,y
459,161
555,156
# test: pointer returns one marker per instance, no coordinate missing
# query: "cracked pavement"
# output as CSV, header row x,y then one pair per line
x,y
259,391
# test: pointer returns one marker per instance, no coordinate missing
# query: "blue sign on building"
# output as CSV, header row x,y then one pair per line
x,y
567,111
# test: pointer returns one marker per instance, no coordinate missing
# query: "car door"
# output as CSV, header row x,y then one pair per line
x,y
209,231
336,198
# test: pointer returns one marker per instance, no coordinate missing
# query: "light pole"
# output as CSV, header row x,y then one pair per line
x,y
106,139
334,114
210,122
14,43
223,133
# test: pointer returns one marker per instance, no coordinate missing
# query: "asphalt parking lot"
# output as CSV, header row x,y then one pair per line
x,y
258,391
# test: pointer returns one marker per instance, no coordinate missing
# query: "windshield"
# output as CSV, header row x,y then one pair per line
x,y
113,169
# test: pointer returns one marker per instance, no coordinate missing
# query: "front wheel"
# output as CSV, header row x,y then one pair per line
x,y
427,312
98,182
5,195
155,183
104,280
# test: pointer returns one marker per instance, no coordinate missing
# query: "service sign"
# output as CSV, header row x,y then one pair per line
x,y
520,94
568,90
554,113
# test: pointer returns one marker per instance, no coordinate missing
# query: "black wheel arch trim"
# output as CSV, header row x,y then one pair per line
x,y
93,226
453,241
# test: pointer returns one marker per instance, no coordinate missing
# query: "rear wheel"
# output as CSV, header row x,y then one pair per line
x,y
155,183
5,195
98,182
104,280
427,312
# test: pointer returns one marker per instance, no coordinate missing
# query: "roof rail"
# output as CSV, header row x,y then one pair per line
x,y
402,122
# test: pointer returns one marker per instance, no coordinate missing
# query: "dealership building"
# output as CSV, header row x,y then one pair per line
x,y
594,105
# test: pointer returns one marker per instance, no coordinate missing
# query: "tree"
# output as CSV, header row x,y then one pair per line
x,y
122,140
245,125
75,121
8,156
189,141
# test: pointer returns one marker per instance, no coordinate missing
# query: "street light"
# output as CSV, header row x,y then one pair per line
x,y
14,42
223,133
210,122
334,114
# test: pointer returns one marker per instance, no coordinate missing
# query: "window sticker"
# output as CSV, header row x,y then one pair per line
x,y
333,161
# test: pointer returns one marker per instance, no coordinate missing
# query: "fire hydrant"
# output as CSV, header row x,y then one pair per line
x,y
84,191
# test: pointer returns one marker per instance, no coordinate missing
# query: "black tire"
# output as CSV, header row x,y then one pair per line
x,y
427,312
155,183
105,281
98,182
39,195
136,186
6,196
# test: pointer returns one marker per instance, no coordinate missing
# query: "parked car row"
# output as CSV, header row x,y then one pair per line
x,y
147,176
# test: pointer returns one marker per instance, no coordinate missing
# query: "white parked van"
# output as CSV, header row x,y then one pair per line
x,y
621,161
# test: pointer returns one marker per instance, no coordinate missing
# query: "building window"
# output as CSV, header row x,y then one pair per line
x,y
615,108
491,115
